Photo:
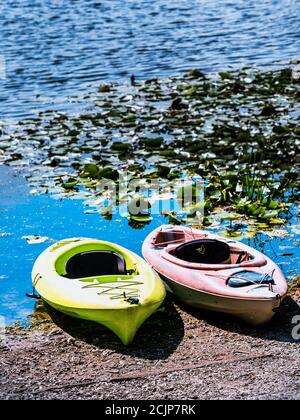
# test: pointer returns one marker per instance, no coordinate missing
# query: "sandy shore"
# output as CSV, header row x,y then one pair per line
x,y
180,353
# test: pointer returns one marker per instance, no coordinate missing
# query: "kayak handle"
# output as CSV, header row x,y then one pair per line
x,y
33,295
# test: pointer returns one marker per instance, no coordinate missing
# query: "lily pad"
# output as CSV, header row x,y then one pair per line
x,y
35,239
108,173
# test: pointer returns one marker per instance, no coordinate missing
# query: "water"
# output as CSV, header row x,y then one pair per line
x,y
55,48
23,215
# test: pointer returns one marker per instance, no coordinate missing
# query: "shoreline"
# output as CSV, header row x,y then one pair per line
x,y
213,356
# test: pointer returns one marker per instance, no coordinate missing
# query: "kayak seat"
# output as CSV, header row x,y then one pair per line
x,y
94,264
204,251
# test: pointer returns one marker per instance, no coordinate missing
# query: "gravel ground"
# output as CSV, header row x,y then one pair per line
x,y
179,353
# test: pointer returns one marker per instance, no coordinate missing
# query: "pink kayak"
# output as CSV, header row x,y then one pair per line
x,y
214,273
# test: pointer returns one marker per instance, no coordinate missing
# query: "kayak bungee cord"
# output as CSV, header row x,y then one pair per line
x,y
125,286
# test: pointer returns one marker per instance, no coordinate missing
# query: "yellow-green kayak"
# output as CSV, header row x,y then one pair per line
x,y
99,281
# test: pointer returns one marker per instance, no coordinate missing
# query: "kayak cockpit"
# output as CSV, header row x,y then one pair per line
x,y
210,251
94,261
211,254
204,251
198,249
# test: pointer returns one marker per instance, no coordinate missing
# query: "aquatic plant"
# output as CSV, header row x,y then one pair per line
x,y
238,130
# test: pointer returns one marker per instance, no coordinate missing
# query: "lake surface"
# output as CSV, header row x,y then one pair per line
x,y
52,49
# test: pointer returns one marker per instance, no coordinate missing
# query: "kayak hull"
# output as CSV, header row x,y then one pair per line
x,y
254,312
123,322
206,286
122,303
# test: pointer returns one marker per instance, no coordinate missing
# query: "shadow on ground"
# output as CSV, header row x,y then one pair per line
x,y
279,329
157,339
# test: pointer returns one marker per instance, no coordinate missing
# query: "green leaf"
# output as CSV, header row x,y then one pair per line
x,y
270,214
108,173
90,171
69,185
196,74
191,91
226,75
